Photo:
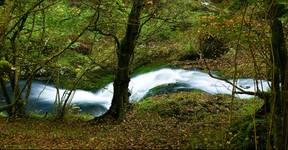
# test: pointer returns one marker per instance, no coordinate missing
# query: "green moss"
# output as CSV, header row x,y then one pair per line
x,y
96,81
5,66
206,111
149,67
146,104
170,88
165,107
80,117
68,116
243,133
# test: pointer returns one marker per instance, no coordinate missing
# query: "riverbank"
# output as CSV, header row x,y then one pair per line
x,y
179,120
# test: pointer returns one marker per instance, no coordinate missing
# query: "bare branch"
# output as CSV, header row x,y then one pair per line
x,y
259,93
95,28
45,62
23,16
95,63
38,9
108,34
150,16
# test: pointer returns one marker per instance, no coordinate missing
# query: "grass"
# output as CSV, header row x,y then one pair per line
x,y
149,67
178,120
101,81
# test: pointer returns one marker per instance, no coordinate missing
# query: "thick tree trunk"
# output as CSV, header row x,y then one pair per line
x,y
285,113
279,86
124,53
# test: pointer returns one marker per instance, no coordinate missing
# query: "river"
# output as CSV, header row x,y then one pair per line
x,y
42,96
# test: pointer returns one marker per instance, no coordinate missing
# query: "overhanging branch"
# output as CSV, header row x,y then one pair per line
x,y
117,41
258,93
96,29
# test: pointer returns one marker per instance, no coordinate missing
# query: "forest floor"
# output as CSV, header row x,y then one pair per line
x,y
178,120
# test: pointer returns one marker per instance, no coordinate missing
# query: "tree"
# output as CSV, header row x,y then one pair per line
x,y
10,30
279,101
22,54
125,50
124,54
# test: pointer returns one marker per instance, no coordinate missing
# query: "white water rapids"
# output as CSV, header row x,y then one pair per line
x,y
98,102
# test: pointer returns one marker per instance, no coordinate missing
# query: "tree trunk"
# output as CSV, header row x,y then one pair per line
x,y
19,107
285,113
5,18
124,54
6,95
279,83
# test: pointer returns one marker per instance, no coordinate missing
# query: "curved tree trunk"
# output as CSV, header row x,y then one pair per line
x,y
124,54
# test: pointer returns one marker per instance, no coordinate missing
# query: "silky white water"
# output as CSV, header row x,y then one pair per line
x,y
140,85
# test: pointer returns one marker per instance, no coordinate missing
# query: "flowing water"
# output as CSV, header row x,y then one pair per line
x,y
42,96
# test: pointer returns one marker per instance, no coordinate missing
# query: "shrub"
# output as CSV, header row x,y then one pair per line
x,y
211,46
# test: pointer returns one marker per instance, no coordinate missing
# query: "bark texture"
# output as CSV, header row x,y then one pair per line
x,y
279,58
124,54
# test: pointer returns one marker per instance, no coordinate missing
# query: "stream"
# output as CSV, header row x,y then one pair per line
x,y
42,96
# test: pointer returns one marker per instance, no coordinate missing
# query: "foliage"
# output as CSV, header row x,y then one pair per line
x,y
149,67
5,67
244,133
211,46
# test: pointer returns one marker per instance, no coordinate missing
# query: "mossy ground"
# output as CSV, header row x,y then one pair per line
x,y
179,120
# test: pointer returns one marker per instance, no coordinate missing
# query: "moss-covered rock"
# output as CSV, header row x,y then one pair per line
x,y
168,88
